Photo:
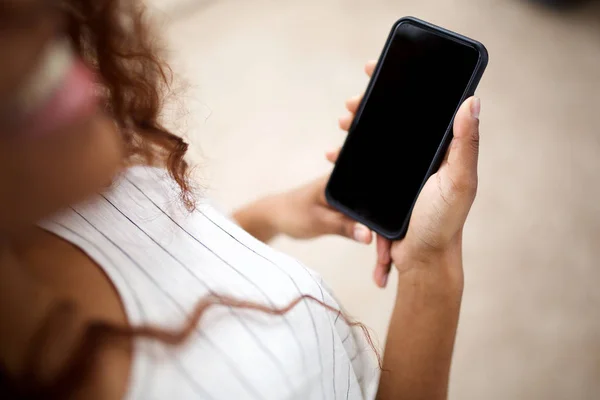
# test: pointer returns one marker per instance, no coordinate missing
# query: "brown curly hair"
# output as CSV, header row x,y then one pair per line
x,y
114,39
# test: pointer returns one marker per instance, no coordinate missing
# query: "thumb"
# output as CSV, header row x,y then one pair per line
x,y
464,150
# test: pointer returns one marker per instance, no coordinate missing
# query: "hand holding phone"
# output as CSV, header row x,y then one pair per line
x,y
403,125
440,211
443,204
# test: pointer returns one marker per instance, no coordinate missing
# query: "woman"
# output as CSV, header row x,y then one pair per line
x,y
106,251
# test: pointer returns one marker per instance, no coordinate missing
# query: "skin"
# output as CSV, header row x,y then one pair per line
x,y
38,270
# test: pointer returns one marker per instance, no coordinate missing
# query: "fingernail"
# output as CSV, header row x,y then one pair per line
x,y
346,118
384,280
475,107
361,233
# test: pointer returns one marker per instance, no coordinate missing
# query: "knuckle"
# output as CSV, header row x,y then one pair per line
x,y
468,185
465,184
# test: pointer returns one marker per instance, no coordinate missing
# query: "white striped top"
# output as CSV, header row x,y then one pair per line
x,y
162,259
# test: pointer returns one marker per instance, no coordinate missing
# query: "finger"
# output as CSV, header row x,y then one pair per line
x,y
333,155
362,234
370,67
464,150
338,224
384,261
352,103
345,122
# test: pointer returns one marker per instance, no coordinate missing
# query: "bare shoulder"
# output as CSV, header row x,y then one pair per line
x,y
67,293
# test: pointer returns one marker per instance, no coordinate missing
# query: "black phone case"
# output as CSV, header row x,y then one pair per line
x,y
439,155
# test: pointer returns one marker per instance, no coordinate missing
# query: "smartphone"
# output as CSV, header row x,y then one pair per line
x,y
403,125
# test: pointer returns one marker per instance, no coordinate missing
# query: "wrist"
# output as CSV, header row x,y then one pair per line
x,y
428,290
260,218
443,267
273,213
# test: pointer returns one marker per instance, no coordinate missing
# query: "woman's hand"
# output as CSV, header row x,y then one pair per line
x,y
436,224
435,229
301,213
304,213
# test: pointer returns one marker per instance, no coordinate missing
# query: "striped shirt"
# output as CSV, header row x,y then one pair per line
x,y
163,259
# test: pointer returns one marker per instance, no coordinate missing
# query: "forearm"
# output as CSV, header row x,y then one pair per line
x,y
257,219
421,336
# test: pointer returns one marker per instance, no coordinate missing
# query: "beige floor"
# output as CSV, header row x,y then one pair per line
x,y
266,82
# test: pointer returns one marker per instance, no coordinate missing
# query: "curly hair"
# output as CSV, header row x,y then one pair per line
x,y
114,40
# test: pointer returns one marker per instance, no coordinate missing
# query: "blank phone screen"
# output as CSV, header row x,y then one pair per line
x,y
421,80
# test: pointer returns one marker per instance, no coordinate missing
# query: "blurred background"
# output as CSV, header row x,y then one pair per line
x,y
263,83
